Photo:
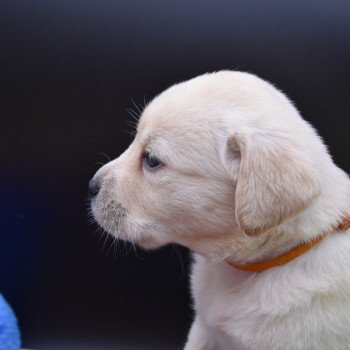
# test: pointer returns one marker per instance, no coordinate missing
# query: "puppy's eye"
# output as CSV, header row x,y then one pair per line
x,y
151,162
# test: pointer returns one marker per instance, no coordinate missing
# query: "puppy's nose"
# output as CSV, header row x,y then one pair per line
x,y
94,187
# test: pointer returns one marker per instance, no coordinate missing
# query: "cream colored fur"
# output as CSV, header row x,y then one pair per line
x,y
244,177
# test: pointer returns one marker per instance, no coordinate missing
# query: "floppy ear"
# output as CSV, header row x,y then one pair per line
x,y
275,180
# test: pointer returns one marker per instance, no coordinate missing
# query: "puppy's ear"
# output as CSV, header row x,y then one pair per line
x,y
275,181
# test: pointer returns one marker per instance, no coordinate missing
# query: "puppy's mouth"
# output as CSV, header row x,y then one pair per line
x,y
111,217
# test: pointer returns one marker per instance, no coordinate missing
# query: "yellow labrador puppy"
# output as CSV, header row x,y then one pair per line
x,y
225,165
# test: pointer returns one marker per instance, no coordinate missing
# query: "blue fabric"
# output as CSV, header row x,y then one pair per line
x,y
9,332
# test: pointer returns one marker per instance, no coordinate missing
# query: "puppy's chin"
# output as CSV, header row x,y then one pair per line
x,y
110,215
149,243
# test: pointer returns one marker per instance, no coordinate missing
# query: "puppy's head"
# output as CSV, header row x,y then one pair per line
x,y
217,157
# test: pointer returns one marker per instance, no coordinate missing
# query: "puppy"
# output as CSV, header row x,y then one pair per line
x,y
225,165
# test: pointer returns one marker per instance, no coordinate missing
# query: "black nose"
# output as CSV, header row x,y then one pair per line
x,y
94,187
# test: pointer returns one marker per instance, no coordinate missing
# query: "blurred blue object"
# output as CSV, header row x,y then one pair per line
x,y
9,332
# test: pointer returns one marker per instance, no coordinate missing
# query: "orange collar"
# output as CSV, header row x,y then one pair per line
x,y
292,254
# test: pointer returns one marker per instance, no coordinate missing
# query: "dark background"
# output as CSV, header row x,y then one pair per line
x,y
68,72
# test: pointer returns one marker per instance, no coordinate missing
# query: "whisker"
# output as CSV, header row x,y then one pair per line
x,y
104,154
136,252
115,249
131,123
137,107
178,254
144,101
131,133
100,163
112,243
133,114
